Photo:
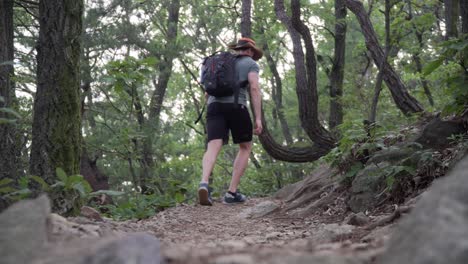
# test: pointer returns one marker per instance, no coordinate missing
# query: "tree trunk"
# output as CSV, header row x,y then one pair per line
x,y
56,122
306,76
157,98
464,15
404,101
337,72
9,150
246,24
378,85
451,18
417,57
307,96
278,95
92,174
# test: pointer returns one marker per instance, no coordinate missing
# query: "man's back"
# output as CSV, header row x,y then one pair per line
x,y
244,65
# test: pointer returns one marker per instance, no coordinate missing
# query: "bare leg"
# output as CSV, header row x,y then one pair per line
x,y
209,159
240,164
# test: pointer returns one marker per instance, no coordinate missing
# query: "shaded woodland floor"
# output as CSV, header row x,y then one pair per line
x,y
225,234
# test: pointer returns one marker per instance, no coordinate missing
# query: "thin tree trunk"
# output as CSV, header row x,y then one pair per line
x,y
278,95
404,101
157,98
417,57
464,15
9,150
337,72
451,18
56,123
306,76
378,86
246,24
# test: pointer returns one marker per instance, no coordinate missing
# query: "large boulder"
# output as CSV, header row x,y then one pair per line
x,y
436,231
437,132
29,233
23,231
367,184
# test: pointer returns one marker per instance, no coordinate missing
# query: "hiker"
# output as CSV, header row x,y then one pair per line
x,y
224,116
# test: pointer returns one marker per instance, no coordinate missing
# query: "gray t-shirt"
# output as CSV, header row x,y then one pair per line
x,y
244,65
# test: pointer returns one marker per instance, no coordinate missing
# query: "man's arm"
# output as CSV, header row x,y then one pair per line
x,y
256,100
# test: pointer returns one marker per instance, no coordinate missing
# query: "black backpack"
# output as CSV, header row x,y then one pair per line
x,y
219,76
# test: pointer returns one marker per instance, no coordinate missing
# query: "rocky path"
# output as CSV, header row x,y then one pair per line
x,y
239,235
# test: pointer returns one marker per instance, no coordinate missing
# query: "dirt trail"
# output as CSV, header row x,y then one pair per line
x,y
221,234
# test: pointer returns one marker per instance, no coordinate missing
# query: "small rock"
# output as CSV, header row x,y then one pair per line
x,y
307,259
331,232
235,259
359,219
273,235
91,213
235,244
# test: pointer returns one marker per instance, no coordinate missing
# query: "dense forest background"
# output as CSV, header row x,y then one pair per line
x,y
108,90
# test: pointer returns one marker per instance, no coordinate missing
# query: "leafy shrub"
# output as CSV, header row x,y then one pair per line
x,y
453,51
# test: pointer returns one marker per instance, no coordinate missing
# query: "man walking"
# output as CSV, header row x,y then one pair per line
x,y
222,117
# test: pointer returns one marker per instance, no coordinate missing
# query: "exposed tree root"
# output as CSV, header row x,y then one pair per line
x,y
312,183
306,198
323,201
390,218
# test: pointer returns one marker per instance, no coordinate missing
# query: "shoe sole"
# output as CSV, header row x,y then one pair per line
x,y
233,203
203,197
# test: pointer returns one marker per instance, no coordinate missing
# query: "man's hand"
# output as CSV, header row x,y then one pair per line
x,y
258,127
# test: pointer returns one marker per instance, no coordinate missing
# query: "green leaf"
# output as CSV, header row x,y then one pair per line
x,y
353,170
179,197
19,195
10,111
432,66
7,189
80,187
44,185
61,175
7,121
5,181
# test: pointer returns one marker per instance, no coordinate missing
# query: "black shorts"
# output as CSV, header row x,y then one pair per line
x,y
224,117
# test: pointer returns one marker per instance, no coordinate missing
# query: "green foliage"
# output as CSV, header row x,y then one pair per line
x,y
452,51
132,205
8,112
72,190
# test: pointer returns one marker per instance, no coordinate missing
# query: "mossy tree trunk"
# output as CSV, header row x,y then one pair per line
x,y
9,151
56,121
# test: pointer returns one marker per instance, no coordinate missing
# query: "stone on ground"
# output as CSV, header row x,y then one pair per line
x,y
23,230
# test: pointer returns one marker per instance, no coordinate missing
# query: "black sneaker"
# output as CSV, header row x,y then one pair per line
x,y
234,198
204,194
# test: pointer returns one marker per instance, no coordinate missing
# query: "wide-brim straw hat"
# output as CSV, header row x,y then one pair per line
x,y
243,43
